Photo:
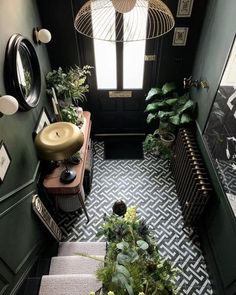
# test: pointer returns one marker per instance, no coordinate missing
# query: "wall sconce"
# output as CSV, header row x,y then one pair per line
x,y
8,105
189,82
41,36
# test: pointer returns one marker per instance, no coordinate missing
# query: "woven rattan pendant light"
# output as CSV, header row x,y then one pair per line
x,y
95,19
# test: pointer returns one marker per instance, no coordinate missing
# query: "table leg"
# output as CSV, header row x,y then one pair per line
x,y
81,196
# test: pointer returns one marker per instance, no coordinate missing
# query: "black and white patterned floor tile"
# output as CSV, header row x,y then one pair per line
x,y
148,185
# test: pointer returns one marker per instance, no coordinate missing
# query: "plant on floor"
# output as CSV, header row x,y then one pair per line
x,y
133,265
171,111
70,86
155,146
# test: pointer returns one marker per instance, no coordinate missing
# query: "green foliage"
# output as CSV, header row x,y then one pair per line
x,y
155,146
166,105
171,111
69,114
150,144
160,92
70,86
133,264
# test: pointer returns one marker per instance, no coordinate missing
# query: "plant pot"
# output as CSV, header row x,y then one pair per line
x,y
167,138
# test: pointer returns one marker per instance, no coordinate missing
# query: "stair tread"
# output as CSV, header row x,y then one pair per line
x,y
81,284
90,248
74,265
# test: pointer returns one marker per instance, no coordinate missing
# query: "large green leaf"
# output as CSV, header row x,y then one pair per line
x,y
133,256
122,245
152,92
123,258
182,99
129,289
188,105
142,244
153,107
122,269
163,114
168,87
171,101
185,118
175,120
151,117
119,279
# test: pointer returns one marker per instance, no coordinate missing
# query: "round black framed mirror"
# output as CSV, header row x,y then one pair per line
x,y
22,72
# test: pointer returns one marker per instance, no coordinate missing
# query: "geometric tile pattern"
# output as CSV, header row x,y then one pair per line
x,y
149,185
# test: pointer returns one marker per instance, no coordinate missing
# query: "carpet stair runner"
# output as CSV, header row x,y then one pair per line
x,y
71,274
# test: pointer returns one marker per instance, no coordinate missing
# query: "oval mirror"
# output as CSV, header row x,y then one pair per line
x,y
22,72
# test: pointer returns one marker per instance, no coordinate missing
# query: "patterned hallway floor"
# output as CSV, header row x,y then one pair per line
x,y
148,185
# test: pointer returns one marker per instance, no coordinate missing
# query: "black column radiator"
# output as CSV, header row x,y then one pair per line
x,y
192,182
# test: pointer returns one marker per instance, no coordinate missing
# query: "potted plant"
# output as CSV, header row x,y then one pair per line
x,y
70,86
170,109
132,264
69,114
156,145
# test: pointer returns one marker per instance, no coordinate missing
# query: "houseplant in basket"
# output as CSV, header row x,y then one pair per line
x,y
170,109
133,265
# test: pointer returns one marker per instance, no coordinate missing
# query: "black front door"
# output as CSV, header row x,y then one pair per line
x,y
119,83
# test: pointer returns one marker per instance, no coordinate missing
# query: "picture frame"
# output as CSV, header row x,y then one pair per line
x,y
180,36
43,120
5,161
184,8
46,218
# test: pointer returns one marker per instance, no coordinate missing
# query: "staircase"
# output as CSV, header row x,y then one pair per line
x,y
71,274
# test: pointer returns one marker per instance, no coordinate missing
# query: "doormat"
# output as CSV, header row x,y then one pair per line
x,y
123,149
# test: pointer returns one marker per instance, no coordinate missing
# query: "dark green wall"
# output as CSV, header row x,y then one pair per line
x,y
22,236
215,42
64,50
218,230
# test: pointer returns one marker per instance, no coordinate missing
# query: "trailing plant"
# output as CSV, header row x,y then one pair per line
x,y
70,86
155,146
133,265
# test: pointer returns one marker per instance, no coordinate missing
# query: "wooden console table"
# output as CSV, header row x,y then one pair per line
x,y
52,182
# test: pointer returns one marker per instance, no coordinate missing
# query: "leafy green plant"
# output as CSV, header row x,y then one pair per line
x,y
70,86
69,114
150,144
155,146
133,265
171,109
